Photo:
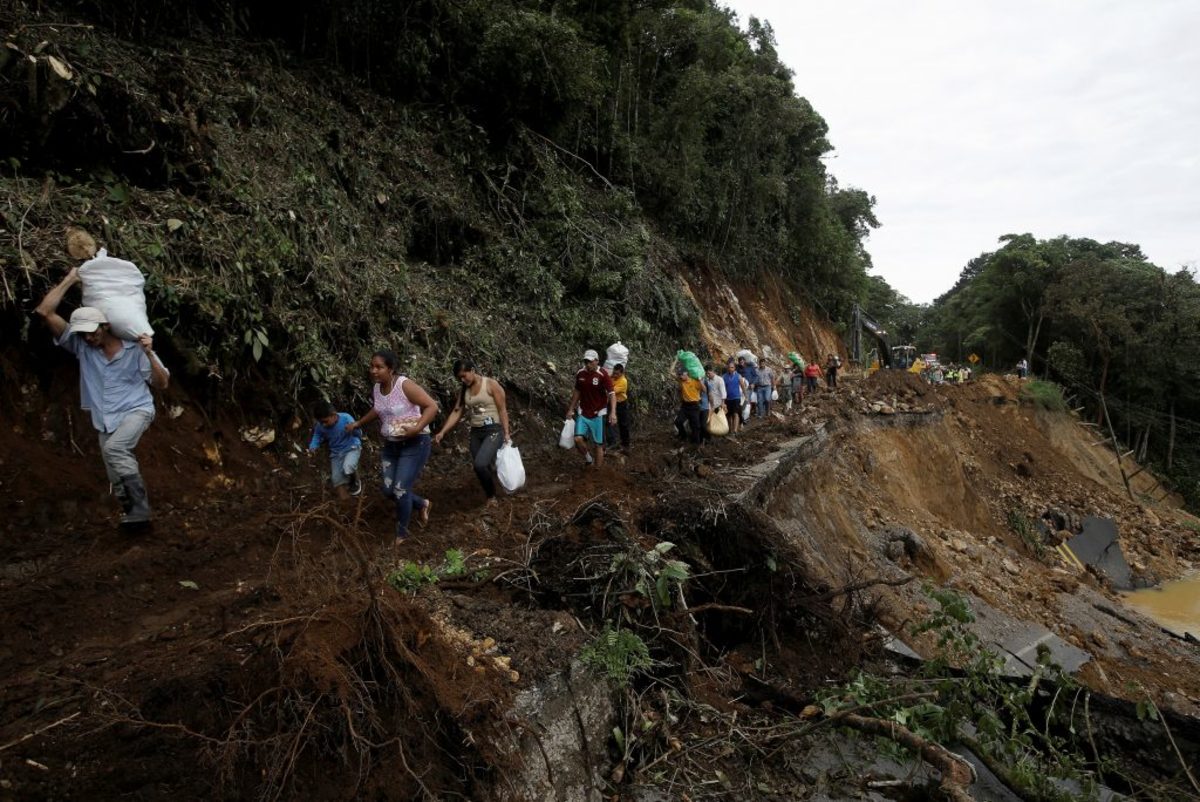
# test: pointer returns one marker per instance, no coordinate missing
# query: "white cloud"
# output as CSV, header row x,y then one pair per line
x,y
970,120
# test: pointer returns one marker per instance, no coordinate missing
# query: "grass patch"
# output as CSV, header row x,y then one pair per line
x,y
410,576
1028,533
1045,395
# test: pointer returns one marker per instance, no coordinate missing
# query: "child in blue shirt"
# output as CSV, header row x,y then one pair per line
x,y
344,447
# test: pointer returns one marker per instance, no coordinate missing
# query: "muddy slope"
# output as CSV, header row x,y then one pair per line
x,y
959,478
251,646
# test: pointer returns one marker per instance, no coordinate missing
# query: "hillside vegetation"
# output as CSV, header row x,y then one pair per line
x,y
305,184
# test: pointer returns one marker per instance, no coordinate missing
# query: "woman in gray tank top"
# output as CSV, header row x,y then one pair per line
x,y
482,400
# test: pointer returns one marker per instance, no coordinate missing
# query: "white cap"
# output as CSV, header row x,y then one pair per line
x,y
85,320
590,356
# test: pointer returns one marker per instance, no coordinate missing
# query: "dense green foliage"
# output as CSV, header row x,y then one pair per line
x,y
306,183
665,98
1097,318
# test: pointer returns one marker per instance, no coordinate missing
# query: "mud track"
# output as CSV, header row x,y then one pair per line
x,y
250,646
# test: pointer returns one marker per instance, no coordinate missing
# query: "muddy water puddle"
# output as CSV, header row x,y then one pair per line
x,y
1175,605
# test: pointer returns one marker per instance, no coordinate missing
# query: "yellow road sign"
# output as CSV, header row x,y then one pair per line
x,y
973,358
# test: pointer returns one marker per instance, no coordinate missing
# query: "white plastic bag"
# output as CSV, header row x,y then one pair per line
x,y
750,358
509,468
774,394
567,438
745,410
718,424
617,354
114,286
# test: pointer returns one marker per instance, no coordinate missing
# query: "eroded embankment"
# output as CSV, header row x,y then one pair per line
x,y
954,497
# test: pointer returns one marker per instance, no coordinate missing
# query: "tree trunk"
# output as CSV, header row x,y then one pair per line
x,y
1116,446
1031,338
1100,413
1171,439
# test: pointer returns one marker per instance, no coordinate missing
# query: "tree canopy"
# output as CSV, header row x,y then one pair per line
x,y
667,99
1097,317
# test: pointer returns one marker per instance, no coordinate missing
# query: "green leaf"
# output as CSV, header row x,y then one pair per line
x,y
118,193
663,588
677,570
174,224
257,350
189,584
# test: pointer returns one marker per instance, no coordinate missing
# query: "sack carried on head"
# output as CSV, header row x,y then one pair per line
x,y
115,287
747,355
617,354
691,363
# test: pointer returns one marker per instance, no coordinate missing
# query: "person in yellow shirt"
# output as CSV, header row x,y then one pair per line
x,y
621,390
688,423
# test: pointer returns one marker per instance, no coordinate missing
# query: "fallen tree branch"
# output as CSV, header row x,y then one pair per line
x,y
38,731
857,586
957,773
722,608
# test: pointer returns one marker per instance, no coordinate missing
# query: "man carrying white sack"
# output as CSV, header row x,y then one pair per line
x,y
114,379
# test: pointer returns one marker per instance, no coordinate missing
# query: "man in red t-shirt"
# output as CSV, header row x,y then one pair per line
x,y
593,395
812,372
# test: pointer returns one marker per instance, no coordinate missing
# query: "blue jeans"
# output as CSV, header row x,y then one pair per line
x,y
402,462
343,466
764,400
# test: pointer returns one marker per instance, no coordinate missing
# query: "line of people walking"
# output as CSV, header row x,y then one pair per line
x,y
116,376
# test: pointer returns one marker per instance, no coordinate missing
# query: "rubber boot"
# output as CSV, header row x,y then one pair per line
x,y
139,504
122,498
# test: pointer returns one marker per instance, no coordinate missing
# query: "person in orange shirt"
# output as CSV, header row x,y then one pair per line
x,y
621,391
688,423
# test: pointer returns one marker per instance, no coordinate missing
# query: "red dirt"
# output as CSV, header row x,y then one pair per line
x,y
153,689
98,623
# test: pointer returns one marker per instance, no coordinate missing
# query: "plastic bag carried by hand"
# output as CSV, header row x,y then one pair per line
x,y
509,468
718,424
774,395
114,286
567,438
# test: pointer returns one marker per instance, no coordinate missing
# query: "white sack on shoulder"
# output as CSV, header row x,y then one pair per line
x,y
115,287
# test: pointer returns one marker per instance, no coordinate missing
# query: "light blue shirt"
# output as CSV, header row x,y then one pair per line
x,y
340,441
111,388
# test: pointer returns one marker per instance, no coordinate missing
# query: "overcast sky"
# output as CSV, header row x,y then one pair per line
x,y
970,119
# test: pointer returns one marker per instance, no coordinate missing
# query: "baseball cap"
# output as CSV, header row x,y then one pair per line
x,y
85,320
590,356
